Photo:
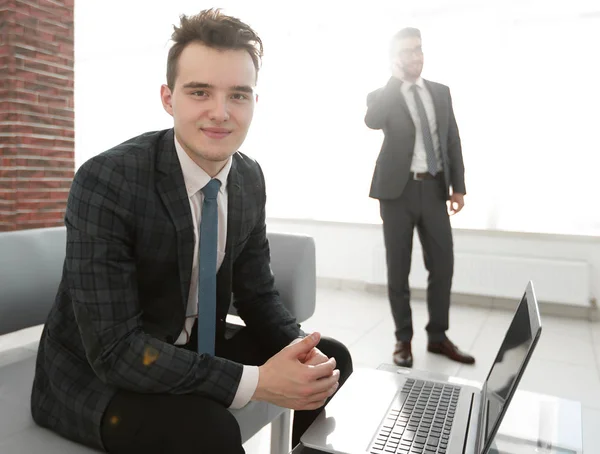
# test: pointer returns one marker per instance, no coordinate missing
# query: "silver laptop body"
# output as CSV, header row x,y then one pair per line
x,y
384,412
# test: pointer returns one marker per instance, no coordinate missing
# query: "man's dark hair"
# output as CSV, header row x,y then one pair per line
x,y
213,29
408,32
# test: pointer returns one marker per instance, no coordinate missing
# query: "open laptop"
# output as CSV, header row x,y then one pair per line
x,y
408,411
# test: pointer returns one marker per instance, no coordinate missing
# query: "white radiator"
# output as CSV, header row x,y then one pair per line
x,y
556,281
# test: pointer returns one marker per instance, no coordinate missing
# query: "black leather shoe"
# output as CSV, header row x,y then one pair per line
x,y
451,351
403,354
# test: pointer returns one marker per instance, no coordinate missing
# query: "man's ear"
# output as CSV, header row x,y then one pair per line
x,y
167,99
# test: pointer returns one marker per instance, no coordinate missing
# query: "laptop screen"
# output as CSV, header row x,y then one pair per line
x,y
508,366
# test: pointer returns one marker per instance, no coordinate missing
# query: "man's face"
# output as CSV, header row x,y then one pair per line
x,y
212,103
407,54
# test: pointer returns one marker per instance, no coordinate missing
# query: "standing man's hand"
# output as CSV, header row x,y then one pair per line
x,y
397,71
291,380
457,202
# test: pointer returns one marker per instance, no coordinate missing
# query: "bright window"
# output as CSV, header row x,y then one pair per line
x,y
524,81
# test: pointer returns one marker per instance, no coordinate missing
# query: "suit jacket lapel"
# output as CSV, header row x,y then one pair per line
x,y
403,104
235,206
442,122
437,103
171,188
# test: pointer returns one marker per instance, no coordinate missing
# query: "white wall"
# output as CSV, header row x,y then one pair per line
x,y
564,269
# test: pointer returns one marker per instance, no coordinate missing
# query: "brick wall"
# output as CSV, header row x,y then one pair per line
x,y
36,112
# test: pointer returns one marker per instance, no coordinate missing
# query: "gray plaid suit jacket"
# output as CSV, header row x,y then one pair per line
x,y
122,298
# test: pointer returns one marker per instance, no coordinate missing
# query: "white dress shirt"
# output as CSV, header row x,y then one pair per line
x,y
195,179
419,161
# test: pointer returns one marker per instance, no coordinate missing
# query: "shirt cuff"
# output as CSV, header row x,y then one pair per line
x,y
248,384
247,387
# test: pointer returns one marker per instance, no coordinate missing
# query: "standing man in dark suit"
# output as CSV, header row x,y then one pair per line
x,y
162,230
419,168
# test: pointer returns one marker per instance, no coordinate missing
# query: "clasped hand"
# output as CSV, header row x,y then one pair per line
x,y
299,377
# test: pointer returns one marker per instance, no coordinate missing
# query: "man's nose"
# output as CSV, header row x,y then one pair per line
x,y
219,111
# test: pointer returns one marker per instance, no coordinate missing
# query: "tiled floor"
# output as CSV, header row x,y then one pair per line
x,y
566,362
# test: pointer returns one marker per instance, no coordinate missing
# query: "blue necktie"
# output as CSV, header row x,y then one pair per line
x,y
207,268
427,139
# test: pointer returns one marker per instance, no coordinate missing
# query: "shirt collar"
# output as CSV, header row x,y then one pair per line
x,y
194,176
408,85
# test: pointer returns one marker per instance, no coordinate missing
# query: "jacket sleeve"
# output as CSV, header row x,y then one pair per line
x,y
102,280
457,167
379,103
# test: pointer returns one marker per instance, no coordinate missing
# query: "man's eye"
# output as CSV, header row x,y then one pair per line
x,y
239,96
200,93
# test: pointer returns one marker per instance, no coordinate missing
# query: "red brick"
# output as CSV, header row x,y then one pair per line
x,y
43,8
22,106
42,205
30,40
65,48
29,18
22,117
45,174
8,172
59,194
43,69
34,53
7,197
45,141
43,184
19,95
65,88
38,161
39,216
6,50
65,113
50,153
5,60
9,5
27,129
8,151
37,194
7,161
53,101
7,226
8,140
7,184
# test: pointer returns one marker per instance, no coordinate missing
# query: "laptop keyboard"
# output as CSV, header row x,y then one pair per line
x,y
420,421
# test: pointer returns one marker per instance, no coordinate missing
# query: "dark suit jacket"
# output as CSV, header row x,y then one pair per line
x,y
387,110
122,299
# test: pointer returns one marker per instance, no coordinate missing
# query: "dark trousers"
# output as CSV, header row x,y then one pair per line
x,y
421,205
164,423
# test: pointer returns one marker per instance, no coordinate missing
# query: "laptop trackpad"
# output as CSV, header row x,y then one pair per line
x,y
350,420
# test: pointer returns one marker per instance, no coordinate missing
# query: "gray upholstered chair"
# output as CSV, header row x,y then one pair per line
x,y
30,269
